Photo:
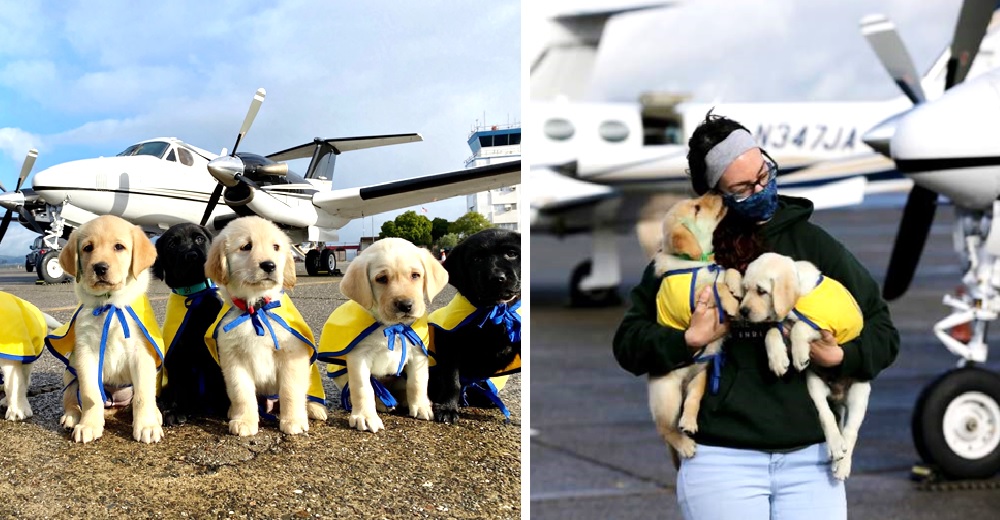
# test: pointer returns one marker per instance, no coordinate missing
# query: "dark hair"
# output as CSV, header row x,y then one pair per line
x,y
712,131
736,241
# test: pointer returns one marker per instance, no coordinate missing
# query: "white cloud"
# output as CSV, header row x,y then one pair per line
x,y
15,143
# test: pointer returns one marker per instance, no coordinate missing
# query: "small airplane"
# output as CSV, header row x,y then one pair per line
x,y
637,153
948,147
160,182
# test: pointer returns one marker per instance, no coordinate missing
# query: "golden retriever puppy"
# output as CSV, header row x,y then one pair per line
x,y
803,301
22,340
382,331
113,339
260,339
685,263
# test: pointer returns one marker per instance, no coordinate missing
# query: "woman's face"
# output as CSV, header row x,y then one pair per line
x,y
747,175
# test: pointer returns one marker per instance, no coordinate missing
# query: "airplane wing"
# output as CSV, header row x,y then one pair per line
x,y
370,200
344,144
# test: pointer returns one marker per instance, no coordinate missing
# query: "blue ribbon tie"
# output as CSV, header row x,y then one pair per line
x,y
259,319
487,389
116,312
381,392
718,360
508,316
405,334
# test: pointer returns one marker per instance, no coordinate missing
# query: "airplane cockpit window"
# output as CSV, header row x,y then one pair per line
x,y
172,156
559,129
185,157
613,131
154,148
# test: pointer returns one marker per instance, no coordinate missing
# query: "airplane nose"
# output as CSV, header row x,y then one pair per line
x,y
101,268
879,137
268,266
404,305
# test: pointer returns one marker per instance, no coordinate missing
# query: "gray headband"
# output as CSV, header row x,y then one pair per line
x,y
723,154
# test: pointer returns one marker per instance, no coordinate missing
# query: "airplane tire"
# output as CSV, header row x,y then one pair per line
x,y
327,262
312,262
956,423
49,270
600,297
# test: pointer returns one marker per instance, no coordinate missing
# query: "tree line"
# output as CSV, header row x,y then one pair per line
x,y
434,234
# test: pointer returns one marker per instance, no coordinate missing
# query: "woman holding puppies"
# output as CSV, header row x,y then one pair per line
x,y
760,449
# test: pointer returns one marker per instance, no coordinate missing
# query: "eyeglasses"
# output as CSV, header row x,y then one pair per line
x,y
744,190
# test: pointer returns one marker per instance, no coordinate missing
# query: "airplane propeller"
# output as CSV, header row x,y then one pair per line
x,y
921,204
15,200
234,170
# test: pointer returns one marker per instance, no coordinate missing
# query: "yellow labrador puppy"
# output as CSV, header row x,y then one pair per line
x,y
113,338
260,339
382,331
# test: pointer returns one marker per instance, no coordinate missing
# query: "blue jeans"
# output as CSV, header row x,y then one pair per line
x,y
728,483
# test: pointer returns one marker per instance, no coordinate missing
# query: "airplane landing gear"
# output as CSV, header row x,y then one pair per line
x,y
321,262
49,270
590,297
312,262
956,424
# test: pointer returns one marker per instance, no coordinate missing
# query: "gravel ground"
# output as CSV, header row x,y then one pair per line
x,y
413,469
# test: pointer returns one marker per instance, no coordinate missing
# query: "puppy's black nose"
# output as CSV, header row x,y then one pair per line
x,y
191,256
744,311
268,266
404,305
101,268
498,277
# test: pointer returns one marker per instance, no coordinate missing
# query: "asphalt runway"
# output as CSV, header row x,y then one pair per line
x,y
594,452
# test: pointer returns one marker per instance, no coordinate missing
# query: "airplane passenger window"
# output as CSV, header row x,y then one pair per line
x,y
559,129
185,157
171,156
613,131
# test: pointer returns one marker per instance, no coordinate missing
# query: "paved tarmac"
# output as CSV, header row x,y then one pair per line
x,y
594,452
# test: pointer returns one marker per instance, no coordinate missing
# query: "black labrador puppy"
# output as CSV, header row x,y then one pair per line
x,y
193,383
475,342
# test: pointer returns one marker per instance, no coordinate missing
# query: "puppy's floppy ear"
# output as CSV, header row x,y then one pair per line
x,y
457,265
67,257
683,241
216,266
143,252
784,292
158,268
356,285
288,278
435,275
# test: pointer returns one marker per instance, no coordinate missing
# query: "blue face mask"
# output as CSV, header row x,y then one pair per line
x,y
758,207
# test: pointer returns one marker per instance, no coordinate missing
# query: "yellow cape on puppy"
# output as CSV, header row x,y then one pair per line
x,y
460,313
22,329
281,313
347,326
831,307
62,340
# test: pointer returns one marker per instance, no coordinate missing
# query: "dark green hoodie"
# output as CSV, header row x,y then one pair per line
x,y
755,408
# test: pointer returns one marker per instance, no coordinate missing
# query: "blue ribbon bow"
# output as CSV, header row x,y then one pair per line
x,y
116,312
259,319
405,334
502,314
381,392
718,360
487,389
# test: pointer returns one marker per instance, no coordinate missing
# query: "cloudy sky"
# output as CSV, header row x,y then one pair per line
x,y
87,79
753,50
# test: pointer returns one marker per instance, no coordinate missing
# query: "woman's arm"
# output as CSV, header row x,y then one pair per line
x,y
643,346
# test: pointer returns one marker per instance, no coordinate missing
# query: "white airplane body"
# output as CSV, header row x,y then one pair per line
x,y
161,182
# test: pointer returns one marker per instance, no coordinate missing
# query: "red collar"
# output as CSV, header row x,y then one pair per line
x,y
242,304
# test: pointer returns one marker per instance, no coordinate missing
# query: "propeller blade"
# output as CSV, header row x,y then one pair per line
x,y
885,41
914,227
258,98
29,163
2,188
969,31
4,224
212,202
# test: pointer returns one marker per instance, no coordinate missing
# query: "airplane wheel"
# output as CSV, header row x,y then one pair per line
x,y
956,423
49,270
328,261
312,262
600,297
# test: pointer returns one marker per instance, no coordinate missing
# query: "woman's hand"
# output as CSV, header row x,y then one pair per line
x,y
705,327
825,351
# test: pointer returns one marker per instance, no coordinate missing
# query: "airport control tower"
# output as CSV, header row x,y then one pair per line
x,y
491,145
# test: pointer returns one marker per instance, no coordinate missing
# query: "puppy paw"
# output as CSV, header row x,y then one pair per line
x,y
423,411
446,413
18,413
688,425
242,427
293,426
685,446
147,434
837,448
366,422
316,411
87,432
841,468
778,362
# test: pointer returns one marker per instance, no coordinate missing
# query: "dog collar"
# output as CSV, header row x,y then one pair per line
x,y
192,289
705,257
244,306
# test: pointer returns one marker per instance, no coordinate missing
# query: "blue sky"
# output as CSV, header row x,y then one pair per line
x,y
90,78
